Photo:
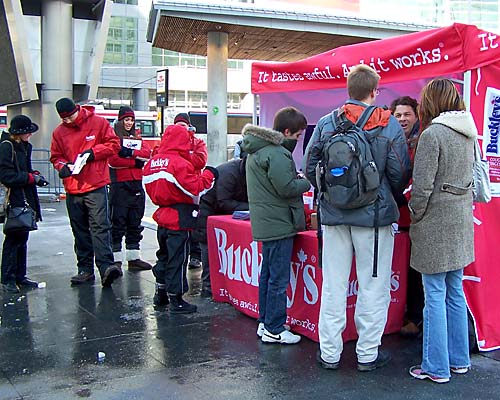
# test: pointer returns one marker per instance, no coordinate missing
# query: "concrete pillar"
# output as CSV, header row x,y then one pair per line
x,y
57,64
141,98
217,97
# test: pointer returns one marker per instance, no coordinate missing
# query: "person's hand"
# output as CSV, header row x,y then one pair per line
x,y
40,180
65,171
125,152
213,170
90,152
139,163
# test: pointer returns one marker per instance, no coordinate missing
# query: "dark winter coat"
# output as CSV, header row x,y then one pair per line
x,y
274,191
17,179
390,153
228,195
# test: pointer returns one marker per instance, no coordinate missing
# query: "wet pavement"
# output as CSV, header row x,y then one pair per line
x,y
50,339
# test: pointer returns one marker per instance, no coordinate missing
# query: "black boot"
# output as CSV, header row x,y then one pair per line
x,y
160,298
179,306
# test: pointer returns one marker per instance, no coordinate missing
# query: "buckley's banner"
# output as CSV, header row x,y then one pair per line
x,y
430,53
235,261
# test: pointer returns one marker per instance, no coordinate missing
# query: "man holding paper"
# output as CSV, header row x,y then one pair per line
x,y
81,146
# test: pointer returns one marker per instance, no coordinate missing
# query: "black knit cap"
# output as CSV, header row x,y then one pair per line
x,y
124,112
21,124
182,117
66,107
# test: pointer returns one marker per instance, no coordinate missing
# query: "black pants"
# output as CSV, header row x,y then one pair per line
x,y
89,218
415,297
172,256
194,249
14,255
127,201
205,274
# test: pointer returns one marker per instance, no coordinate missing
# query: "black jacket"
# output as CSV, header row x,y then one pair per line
x,y
17,178
228,195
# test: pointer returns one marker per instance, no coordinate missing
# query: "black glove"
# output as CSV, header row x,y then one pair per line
x,y
90,152
64,172
125,152
40,180
213,170
139,163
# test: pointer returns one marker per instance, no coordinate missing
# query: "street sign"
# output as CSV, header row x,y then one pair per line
x,y
162,88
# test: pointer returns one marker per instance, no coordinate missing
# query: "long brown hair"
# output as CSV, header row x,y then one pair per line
x,y
439,95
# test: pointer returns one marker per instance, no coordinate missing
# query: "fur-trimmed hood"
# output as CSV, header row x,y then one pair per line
x,y
460,121
255,137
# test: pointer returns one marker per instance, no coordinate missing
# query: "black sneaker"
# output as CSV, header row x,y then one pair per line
x,y
110,275
27,282
382,360
194,263
139,265
82,277
10,287
179,306
161,297
324,364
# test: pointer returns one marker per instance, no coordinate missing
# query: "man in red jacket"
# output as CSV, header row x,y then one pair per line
x,y
173,184
85,139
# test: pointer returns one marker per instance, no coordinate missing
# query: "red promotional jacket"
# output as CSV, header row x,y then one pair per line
x,y
172,182
89,131
124,169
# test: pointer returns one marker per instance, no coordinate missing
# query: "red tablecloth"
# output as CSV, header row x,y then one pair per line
x,y
235,261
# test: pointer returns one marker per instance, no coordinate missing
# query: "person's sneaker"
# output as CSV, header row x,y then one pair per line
x,y
410,330
27,282
459,370
110,275
325,364
10,287
82,277
260,329
118,264
180,306
160,298
194,263
284,337
139,265
382,360
417,372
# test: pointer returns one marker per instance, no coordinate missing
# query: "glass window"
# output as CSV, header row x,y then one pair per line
x,y
131,2
122,44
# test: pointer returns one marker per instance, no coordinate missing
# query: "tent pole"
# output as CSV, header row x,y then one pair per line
x,y
467,83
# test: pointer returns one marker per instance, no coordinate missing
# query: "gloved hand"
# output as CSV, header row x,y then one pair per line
x,y
64,172
125,152
90,152
40,180
139,163
213,170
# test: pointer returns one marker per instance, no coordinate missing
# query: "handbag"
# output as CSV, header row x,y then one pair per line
x,y
20,219
481,190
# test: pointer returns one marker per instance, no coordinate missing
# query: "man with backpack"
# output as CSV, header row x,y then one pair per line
x,y
356,158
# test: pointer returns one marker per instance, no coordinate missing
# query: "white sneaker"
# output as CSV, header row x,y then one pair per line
x,y
284,337
260,329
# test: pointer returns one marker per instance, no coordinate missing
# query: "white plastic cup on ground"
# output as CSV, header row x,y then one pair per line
x,y
101,356
42,285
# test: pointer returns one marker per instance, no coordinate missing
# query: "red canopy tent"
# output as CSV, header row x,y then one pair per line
x,y
405,63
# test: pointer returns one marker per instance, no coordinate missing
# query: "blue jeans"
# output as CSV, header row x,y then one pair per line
x,y
446,337
273,281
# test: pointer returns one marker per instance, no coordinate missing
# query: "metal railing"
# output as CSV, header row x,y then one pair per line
x,y
40,161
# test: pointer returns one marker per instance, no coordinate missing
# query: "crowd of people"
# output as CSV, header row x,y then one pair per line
x,y
426,147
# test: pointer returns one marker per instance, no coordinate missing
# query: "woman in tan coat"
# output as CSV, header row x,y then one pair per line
x,y
442,228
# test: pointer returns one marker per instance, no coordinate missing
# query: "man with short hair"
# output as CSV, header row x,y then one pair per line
x,y
84,135
349,231
276,213
404,110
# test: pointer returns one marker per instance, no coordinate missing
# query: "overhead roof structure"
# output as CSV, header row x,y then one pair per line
x,y
258,33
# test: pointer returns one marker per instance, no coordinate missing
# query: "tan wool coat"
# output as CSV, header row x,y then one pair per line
x,y
442,228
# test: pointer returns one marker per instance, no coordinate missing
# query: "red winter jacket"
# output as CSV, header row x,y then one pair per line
x,y
172,181
124,169
89,131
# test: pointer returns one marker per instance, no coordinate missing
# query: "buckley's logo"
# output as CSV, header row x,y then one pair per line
x,y
492,119
159,163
